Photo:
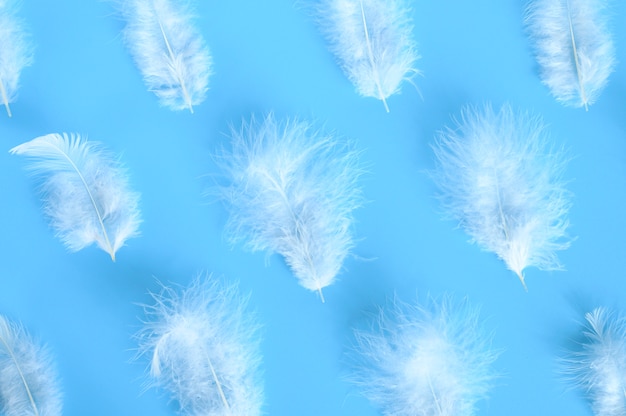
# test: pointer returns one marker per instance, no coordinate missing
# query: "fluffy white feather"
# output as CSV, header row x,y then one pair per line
x,y
599,366
168,50
15,52
501,180
432,360
373,42
28,382
573,47
203,348
292,190
85,191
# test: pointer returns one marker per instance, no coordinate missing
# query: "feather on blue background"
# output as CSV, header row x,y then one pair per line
x,y
270,56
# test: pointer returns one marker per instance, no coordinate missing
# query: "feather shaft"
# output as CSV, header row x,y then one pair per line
x,y
85,192
28,385
19,370
370,54
501,180
291,190
203,349
573,47
16,52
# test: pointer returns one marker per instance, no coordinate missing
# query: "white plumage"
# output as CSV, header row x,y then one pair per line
x,y
29,385
168,50
292,190
85,191
15,52
203,347
500,178
573,47
431,360
373,42
599,366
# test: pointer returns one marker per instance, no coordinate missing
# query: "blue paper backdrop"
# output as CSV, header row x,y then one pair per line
x,y
269,56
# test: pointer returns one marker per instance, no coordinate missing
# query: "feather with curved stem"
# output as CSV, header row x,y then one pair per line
x,y
85,191
203,348
28,383
599,366
292,190
501,180
15,52
426,360
168,50
373,42
573,48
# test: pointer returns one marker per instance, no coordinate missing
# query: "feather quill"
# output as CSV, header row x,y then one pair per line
x,y
168,50
15,52
292,190
501,180
573,47
431,360
204,349
599,366
28,383
85,191
373,43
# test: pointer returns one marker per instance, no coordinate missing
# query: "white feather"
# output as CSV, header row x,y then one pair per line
x,y
168,50
599,366
203,348
85,191
433,360
28,382
292,190
15,52
573,47
373,42
501,180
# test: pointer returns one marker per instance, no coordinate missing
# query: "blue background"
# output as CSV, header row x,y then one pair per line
x,y
269,56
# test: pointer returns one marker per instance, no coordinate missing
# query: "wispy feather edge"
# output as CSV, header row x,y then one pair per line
x,y
428,360
373,42
203,347
292,190
573,47
168,50
85,190
16,52
599,366
29,385
501,179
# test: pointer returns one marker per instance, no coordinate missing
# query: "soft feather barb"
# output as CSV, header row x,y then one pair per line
x,y
373,42
501,180
598,367
425,360
15,52
168,50
292,190
573,47
203,347
85,190
29,385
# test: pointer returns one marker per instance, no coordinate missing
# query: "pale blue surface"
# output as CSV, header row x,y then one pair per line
x,y
269,57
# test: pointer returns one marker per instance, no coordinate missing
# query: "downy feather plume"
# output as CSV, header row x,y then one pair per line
x,y
599,366
85,191
373,42
573,48
291,190
168,50
15,52
203,348
431,360
28,383
501,180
